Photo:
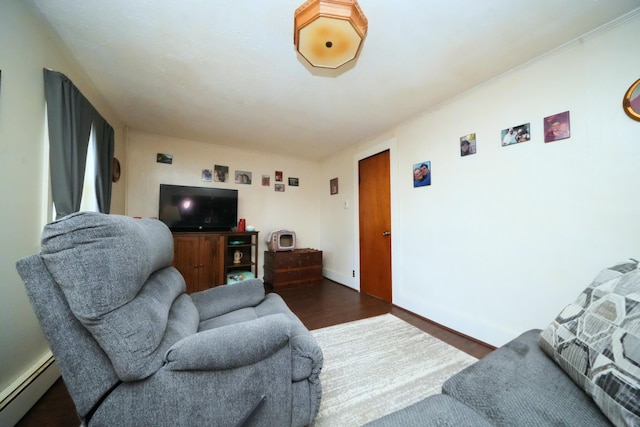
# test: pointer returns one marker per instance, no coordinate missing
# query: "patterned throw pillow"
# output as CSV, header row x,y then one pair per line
x,y
596,341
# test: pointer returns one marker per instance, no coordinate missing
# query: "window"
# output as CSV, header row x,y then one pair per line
x,y
89,200
79,138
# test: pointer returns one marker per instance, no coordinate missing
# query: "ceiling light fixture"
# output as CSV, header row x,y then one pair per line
x,y
329,33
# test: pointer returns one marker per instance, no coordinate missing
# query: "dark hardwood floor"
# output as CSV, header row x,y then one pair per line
x,y
318,306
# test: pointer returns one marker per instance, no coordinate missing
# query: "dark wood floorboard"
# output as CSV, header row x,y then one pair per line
x,y
318,306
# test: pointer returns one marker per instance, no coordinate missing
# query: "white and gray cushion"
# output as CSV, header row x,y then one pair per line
x,y
596,341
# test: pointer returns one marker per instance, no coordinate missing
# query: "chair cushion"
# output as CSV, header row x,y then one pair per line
x,y
596,341
116,275
238,316
225,299
102,261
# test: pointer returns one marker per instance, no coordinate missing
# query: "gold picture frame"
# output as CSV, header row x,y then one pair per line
x,y
631,101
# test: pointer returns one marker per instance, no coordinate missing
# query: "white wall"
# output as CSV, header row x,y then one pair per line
x,y
503,239
297,208
338,221
26,47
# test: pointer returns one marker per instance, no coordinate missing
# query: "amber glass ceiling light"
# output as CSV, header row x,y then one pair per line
x,y
329,33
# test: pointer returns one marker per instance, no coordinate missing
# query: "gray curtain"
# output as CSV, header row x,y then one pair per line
x,y
70,117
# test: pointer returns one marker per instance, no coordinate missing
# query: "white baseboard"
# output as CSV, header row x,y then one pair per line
x,y
340,278
22,394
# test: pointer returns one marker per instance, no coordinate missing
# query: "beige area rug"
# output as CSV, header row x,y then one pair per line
x,y
375,366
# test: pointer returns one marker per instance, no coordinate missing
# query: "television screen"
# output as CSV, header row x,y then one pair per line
x,y
185,208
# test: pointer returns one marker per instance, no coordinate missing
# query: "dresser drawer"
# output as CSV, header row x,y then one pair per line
x,y
300,267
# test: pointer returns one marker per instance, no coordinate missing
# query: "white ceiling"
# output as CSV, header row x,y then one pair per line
x,y
226,71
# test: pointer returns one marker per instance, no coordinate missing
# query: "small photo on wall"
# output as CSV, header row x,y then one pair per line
x,y
333,186
221,173
294,182
516,134
278,176
468,144
279,188
243,177
557,127
422,174
206,175
164,158
266,180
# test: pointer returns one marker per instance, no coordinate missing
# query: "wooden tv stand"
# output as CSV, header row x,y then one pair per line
x,y
205,258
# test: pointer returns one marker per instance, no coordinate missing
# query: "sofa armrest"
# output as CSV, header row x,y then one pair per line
x,y
520,375
224,299
231,346
434,411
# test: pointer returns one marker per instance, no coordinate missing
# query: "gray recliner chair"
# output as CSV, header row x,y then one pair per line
x,y
135,349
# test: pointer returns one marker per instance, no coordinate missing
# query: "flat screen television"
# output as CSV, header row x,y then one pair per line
x,y
185,208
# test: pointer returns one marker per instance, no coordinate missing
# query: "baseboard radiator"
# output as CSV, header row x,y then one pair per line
x,y
22,394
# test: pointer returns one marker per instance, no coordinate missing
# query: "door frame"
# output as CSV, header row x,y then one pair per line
x,y
390,144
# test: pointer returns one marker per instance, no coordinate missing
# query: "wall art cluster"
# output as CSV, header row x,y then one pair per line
x,y
556,127
220,173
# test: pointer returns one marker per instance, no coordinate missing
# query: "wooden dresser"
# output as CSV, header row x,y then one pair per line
x,y
300,267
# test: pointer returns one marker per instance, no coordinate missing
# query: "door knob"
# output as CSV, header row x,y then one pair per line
x,y
386,233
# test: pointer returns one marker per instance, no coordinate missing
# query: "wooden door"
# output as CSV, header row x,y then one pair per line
x,y
374,195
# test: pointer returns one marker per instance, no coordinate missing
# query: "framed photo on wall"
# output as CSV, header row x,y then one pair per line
x,y
164,158
221,173
333,186
557,127
516,134
243,177
422,174
468,145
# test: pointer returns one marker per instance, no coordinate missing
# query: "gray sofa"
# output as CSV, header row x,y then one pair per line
x,y
135,349
582,370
